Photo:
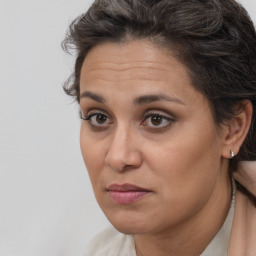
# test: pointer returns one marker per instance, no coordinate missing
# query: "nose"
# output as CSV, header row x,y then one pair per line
x,y
123,152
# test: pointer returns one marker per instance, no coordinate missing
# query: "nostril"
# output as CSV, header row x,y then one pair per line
x,y
123,155
108,165
129,167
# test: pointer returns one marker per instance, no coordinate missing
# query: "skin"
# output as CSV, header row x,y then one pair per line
x,y
183,161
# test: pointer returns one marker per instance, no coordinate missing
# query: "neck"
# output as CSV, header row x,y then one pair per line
x,y
193,235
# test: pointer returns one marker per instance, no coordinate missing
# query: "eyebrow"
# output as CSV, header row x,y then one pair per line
x,y
141,100
146,99
93,96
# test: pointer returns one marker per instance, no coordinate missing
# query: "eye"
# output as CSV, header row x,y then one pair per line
x,y
97,119
156,120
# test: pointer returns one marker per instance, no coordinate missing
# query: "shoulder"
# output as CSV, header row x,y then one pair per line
x,y
243,234
110,242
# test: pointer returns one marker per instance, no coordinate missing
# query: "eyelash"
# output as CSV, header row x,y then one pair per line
x,y
89,117
163,117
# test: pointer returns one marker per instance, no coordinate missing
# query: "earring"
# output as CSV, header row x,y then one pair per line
x,y
232,154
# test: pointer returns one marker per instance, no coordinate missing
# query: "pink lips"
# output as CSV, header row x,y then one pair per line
x,y
126,193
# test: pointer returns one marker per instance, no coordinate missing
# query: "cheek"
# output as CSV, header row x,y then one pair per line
x,y
93,153
184,151
188,163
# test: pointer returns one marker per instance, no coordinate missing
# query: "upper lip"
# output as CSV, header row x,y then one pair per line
x,y
125,187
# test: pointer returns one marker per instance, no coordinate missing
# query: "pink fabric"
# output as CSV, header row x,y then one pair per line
x,y
246,175
243,232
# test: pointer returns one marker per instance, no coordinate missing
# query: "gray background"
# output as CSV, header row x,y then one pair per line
x,y
46,203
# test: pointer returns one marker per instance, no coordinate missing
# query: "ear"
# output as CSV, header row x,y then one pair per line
x,y
237,129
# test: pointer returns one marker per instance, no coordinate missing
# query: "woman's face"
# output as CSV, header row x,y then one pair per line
x,y
148,140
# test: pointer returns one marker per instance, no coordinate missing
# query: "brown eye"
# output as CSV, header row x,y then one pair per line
x,y
156,120
100,118
97,120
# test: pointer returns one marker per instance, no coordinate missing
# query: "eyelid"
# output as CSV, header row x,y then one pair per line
x,y
159,113
92,112
90,119
167,121
90,116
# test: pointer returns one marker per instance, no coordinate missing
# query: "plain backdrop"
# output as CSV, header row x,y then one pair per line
x,y
47,207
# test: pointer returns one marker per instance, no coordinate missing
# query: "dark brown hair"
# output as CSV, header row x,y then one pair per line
x,y
215,39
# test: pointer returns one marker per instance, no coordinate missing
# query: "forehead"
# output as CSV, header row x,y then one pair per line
x,y
133,68
133,60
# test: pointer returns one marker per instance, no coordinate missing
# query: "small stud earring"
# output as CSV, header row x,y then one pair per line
x,y
232,154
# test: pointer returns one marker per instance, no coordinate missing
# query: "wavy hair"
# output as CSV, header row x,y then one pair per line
x,y
214,39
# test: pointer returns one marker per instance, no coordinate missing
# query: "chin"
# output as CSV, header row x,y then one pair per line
x,y
131,223
130,229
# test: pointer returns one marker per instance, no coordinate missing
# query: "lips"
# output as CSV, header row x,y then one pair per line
x,y
126,193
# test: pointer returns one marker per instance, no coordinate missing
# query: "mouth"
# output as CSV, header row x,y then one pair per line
x,y
126,193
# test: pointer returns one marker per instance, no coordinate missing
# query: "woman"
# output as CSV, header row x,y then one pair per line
x,y
168,97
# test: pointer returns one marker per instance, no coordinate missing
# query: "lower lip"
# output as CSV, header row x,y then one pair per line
x,y
127,197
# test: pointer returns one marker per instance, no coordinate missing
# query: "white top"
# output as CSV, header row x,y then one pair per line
x,y
110,242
